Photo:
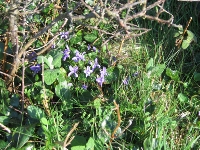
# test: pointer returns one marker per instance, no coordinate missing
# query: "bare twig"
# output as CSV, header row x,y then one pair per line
x,y
5,128
67,140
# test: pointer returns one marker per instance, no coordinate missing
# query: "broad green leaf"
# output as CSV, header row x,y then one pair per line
x,y
4,120
14,101
63,91
150,64
78,148
197,76
50,76
182,97
190,38
97,103
112,75
176,34
76,38
90,144
44,121
35,112
62,75
185,44
174,75
78,141
57,60
158,70
3,144
22,135
90,37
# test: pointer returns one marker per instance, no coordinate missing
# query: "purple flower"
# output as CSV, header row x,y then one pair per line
x,y
35,69
84,86
100,80
94,48
103,72
73,70
53,46
125,81
66,53
64,35
88,47
135,74
79,56
32,56
87,71
95,65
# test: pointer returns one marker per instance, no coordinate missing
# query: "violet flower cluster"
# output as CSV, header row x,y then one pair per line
x,y
89,69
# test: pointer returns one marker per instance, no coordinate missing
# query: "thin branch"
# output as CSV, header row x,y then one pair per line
x,y
67,140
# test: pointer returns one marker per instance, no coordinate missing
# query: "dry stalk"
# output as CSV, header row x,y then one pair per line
x,y
67,140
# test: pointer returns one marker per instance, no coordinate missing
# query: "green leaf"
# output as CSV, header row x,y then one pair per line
x,y
150,64
174,75
21,136
14,101
112,75
3,144
158,70
50,76
4,120
90,144
35,112
62,75
90,37
62,90
78,141
197,76
57,60
190,38
44,121
78,148
182,98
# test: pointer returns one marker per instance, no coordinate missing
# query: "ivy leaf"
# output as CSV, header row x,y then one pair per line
x,y
190,38
174,75
90,37
197,76
21,136
50,76
90,144
112,75
157,70
14,101
182,97
62,90
57,60
35,112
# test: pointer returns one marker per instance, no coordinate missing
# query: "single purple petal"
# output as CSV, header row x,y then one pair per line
x,y
66,53
100,80
135,74
35,69
96,64
84,86
88,47
94,48
126,81
32,56
103,72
